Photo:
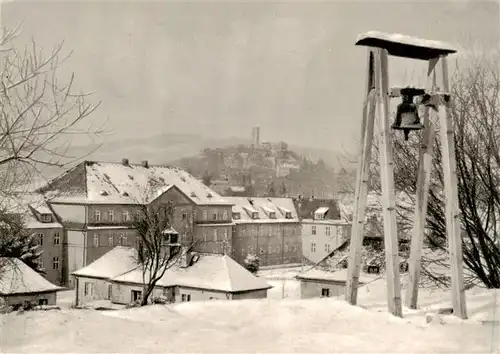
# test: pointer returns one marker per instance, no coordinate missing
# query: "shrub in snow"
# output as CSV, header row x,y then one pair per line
x,y
252,263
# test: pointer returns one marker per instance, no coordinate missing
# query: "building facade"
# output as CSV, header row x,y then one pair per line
x,y
322,235
96,203
268,228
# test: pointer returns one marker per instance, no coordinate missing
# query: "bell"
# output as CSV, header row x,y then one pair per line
x,y
407,118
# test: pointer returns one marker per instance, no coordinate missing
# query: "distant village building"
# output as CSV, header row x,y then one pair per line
x,y
268,228
96,202
41,220
117,277
20,285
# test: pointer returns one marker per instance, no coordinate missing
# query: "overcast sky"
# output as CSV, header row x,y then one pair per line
x,y
220,68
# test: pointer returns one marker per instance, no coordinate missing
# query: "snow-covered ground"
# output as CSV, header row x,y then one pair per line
x,y
268,325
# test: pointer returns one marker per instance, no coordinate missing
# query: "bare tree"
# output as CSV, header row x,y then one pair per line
x,y
41,112
476,116
158,246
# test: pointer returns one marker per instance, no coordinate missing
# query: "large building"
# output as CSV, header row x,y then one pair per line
x,y
96,201
322,228
268,228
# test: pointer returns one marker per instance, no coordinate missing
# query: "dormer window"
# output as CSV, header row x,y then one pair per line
x,y
272,215
47,218
288,215
255,215
236,216
320,213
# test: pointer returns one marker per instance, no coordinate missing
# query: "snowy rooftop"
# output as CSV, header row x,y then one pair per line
x,y
26,204
119,183
280,206
214,272
113,263
340,275
18,278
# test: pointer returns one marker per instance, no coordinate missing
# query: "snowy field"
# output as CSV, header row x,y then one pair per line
x,y
269,325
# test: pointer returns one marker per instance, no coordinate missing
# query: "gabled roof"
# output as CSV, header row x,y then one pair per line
x,y
339,276
113,263
210,272
18,278
118,183
280,206
307,207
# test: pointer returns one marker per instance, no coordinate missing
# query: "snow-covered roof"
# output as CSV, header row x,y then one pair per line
x,y
322,210
18,278
26,204
118,183
210,272
113,263
280,206
340,275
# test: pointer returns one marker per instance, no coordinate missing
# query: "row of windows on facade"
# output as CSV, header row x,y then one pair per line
x,y
125,215
328,248
269,230
327,229
56,239
270,249
215,235
55,263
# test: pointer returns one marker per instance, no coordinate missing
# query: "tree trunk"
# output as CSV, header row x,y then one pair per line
x,y
148,290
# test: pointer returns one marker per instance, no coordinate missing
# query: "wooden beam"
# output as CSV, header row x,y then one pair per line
x,y
361,191
388,192
423,184
452,209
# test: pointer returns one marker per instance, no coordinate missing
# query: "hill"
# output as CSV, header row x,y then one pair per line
x,y
177,149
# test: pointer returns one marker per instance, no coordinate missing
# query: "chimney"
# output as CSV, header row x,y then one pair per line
x,y
125,162
145,164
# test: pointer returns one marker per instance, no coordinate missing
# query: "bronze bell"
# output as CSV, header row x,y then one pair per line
x,y
407,118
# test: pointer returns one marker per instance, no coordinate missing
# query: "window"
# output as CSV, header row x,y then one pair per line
x,y
215,234
278,249
205,234
243,252
205,215
123,240
327,231
40,263
214,216
325,292
42,302
288,215
55,263
269,249
220,215
195,215
40,239
327,248
224,215
136,295
111,215
110,240
184,215
313,246
97,216
96,240
236,216
225,234
185,297
269,230
261,250
109,291
286,248
125,216
88,289
46,218
57,238
313,230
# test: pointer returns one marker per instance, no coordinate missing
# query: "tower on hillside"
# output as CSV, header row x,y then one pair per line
x,y
255,136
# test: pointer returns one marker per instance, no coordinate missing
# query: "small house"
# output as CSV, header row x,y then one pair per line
x,y
322,283
196,277
19,284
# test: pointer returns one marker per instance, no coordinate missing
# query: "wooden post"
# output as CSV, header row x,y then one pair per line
x,y
361,190
387,181
423,184
452,210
